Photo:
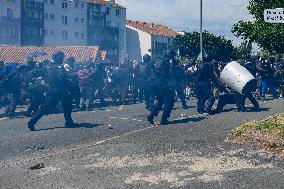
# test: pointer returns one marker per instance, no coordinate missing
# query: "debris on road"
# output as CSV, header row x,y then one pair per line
x,y
38,166
110,126
35,148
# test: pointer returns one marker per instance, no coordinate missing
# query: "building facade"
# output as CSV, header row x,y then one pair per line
x,y
10,21
65,23
32,22
147,38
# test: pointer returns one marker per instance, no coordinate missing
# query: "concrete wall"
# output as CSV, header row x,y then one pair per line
x,y
10,27
53,29
138,43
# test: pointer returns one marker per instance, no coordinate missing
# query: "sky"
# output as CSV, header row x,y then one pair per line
x,y
219,16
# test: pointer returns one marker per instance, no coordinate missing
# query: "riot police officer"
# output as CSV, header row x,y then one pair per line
x,y
203,89
59,90
178,78
147,85
164,91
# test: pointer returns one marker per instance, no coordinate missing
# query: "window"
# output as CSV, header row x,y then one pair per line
x,y
108,23
64,20
52,32
10,31
45,16
45,32
64,34
76,34
31,14
77,4
64,5
82,5
76,20
82,20
107,11
117,12
9,13
52,17
51,1
82,36
98,7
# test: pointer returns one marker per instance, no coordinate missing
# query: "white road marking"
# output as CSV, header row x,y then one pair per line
x,y
125,118
3,118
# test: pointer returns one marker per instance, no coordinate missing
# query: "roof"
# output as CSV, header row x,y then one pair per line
x,y
11,54
115,5
151,28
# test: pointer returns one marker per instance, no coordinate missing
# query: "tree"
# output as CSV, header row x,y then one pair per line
x,y
268,36
244,51
216,47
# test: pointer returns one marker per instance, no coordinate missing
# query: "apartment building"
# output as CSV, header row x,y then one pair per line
x,y
10,16
65,23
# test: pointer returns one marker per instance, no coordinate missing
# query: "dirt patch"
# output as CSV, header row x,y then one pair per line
x,y
175,169
267,134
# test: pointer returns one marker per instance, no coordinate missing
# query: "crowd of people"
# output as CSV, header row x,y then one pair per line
x,y
65,85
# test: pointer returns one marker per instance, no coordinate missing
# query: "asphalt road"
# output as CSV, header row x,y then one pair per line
x,y
191,153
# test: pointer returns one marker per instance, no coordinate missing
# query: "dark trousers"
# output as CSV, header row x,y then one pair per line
x,y
180,89
50,101
165,101
12,104
205,97
268,84
225,99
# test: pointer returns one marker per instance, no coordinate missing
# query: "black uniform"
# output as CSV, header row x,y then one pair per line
x,y
59,90
164,91
178,76
98,76
203,88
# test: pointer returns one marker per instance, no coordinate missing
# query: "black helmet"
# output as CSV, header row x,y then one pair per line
x,y
146,58
71,60
58,57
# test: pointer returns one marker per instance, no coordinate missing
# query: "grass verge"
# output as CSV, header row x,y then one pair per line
x,y
267,134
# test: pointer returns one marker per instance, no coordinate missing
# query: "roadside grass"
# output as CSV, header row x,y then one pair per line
x,y
267,134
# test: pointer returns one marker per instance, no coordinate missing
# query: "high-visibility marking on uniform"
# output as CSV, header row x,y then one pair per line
x,y
113,117
124,118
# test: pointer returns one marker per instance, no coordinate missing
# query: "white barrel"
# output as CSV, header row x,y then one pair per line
x,y
238,77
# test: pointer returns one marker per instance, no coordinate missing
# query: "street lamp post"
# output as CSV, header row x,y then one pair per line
x,y
201,31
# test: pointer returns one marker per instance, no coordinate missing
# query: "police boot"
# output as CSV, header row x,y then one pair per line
x,y
150,119
164,121
184,105
70,124
31,126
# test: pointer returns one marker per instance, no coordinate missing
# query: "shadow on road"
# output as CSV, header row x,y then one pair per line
x,y
80,125
259,110
187,120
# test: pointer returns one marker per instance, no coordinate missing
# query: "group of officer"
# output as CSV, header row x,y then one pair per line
x,y
54,83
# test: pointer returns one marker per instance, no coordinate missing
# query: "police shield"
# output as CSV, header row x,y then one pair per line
x,y
238,78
